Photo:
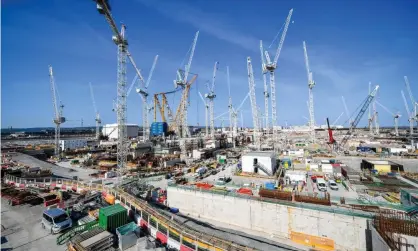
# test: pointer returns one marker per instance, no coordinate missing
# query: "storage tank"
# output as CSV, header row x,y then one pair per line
x,y
159,128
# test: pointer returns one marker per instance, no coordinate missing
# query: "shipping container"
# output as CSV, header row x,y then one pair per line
x,y
112,217
159,128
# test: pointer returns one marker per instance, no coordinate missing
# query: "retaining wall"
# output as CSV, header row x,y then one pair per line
x,y
320,229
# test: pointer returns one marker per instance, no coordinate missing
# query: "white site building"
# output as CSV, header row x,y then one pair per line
x,y
71,144
263,163
111,130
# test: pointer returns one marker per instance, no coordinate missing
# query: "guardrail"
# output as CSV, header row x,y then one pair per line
x,y
139,206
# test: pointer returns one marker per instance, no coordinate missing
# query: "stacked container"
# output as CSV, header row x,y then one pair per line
x,y
159,128
112,217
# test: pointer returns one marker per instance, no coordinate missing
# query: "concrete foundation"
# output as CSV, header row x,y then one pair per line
x,y
314,228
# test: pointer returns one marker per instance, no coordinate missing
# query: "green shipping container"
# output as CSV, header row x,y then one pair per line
x,y
112,217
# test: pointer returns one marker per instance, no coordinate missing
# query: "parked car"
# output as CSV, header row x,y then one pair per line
x,y
56,220
320,183
333,185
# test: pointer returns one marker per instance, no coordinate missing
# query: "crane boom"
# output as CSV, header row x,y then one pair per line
x,y
357,119
279,48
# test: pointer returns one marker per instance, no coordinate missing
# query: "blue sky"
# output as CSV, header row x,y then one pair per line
x,y
349,43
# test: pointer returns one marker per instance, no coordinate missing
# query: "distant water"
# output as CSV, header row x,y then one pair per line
x,y
40,129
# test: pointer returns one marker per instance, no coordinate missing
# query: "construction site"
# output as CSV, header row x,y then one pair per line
x,y
168,185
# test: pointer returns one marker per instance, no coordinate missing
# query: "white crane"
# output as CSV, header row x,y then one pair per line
x,y
251,84
370,118
119,39
410,115
143,91
375,118
181,80
411,97
266,92
97,118
350,120
271,66
58,118
206,114
335,122
211,96
230,108
395,116
311,84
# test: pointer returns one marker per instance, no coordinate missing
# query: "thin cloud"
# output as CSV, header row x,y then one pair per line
x,y
183,12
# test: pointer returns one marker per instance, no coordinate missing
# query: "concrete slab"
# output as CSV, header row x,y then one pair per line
x,y
21,229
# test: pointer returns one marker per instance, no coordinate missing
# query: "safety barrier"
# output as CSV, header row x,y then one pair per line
x,y
63,238
200,240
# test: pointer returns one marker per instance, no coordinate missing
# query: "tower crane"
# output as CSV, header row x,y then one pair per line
x,y
311,85
350,120
410,115
411,97
119,39
230,108
370,118
206,114
271,66
395,116
58,118
143,91
375,118
211,96
363,109
97,119
181,80
251,83
266,92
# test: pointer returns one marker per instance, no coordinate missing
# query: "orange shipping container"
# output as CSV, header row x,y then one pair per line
x,y
110,199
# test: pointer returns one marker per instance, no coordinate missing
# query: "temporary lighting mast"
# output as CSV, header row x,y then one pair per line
x,y
58,118
395,116
311,85
357,119
271,66
410,115
143,91
206,114
211,96
97,119
251,84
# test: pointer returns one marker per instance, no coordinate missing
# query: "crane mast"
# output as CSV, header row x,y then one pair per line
x,y
410,115
375,118
58,118
143,91
211,96
206,114
395,116
118,38
266,92
370,118
230,109
271,67
311,85
411,97
251,84
97,118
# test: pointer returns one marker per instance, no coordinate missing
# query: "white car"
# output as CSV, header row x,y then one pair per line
x,y
332,185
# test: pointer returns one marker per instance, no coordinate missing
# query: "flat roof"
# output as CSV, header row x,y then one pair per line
x,y
381,162
260,154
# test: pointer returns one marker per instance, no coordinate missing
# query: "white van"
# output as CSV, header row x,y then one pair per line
x,y
321,184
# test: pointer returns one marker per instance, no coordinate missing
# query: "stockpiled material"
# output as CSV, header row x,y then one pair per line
x,y
112,217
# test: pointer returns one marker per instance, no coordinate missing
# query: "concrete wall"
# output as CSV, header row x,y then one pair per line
x,y
378,243
347,232
267,162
